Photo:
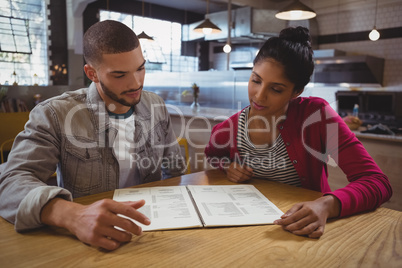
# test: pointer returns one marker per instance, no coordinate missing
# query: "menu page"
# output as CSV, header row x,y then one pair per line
x,y
228,205
168,207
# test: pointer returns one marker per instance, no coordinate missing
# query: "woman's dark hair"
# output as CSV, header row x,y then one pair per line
x,y
108,37
293,50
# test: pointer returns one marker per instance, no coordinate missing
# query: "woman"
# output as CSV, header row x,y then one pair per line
x,y
286,138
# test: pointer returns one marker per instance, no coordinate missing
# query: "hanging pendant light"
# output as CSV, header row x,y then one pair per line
x,y
227,48
374,35
296,11
207,27
143,36
15,78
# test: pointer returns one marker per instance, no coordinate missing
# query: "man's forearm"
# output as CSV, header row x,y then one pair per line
x,y
57,212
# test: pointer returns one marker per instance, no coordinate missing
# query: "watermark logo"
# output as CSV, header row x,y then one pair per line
x,y
192,128
332,135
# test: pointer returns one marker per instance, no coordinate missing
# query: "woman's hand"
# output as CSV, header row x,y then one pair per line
x,y
237,173
309,218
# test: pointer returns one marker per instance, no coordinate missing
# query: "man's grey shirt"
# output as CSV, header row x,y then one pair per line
x,y
72,132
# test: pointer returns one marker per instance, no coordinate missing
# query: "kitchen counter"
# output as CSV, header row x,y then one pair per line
x,y
215,114
379,137
196,128
392,138
221,114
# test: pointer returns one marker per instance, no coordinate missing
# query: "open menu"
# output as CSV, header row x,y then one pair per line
x,y
178,207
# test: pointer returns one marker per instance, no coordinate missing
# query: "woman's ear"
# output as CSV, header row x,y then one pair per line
x,y
297,93
91,73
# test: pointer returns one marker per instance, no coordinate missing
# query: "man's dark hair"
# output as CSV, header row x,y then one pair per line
x,y
108,37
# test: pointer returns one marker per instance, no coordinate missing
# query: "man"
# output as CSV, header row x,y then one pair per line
x,y
107,136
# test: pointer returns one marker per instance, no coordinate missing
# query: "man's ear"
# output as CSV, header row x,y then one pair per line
x,y
91,73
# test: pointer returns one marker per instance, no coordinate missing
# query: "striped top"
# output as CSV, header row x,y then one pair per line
x,y
272,163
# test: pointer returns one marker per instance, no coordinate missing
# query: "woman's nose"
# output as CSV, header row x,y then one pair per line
x,y
260,94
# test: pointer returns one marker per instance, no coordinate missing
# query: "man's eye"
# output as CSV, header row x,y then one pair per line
x,y
256,81
277,90
120,76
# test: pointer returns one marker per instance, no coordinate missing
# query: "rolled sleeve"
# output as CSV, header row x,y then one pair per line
x,y
29,210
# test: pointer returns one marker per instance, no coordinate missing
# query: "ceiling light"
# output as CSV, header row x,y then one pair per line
x,y
296,11
144,36
207,27
15,78
227,48
374,35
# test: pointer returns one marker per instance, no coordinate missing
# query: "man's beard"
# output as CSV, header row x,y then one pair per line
x,y
116,98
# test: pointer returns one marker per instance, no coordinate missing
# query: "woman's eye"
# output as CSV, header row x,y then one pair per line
x,y
256,81
277,90
120,76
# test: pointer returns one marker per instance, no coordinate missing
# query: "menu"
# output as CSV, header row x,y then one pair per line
x,y
193,206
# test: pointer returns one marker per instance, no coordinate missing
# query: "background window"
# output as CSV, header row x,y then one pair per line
x,y
23,42
164,53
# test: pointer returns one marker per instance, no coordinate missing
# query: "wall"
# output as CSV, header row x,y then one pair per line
x,y
356,20
58,56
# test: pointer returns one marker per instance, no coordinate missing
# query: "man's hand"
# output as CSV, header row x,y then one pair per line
x,y
95,224
237,173
309,218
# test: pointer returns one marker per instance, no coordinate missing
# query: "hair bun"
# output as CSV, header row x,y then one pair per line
x,y
296,34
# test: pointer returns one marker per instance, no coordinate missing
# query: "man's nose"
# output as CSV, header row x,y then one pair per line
x,y
135,81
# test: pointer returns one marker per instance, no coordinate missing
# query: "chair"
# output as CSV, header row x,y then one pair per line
x,y
183,142
5,147
11,124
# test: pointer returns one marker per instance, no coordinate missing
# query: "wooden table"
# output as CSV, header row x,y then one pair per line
x,y
368,240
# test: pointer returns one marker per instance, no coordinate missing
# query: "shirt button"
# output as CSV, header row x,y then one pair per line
x,y
280,127
294,161
111,160
288,143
